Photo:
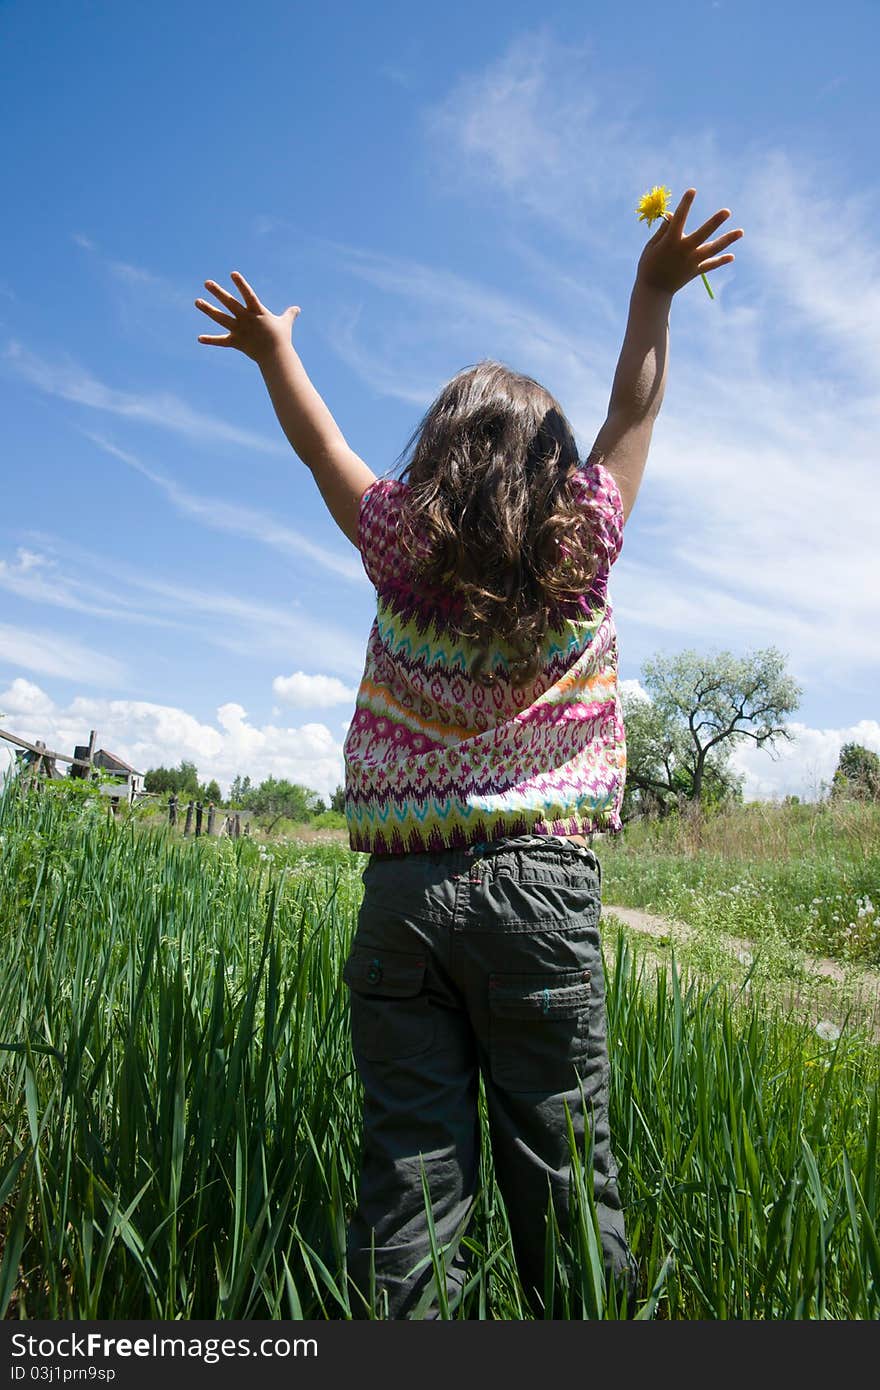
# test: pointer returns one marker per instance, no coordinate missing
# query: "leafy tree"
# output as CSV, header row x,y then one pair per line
x,y
160,779
337,800
276,797
183,780
858,773
239,790
679,744
212,792
658,776
189,779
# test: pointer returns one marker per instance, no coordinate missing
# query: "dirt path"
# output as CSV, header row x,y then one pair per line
x,y
863,986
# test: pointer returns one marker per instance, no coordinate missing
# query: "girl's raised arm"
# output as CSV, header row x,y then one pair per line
x,y
342,476
669,261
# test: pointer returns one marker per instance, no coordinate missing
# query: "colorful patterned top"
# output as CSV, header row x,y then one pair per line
x,y
435,760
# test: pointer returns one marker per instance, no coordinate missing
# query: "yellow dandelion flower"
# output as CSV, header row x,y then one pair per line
x,y
653,204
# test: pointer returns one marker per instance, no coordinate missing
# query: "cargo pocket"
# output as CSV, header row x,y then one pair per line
x,y
391,1016
539,1029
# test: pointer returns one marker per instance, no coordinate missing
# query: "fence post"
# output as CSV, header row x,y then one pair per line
x,y
189,817
198,818
172,811
210,818
114,803
237,825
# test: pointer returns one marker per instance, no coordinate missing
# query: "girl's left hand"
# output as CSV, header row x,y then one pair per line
x,y
253,328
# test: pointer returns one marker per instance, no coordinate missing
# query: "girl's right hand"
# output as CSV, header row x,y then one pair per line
x,y
671,260
253,328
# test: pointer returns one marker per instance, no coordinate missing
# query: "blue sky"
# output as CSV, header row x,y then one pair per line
x,y
432,185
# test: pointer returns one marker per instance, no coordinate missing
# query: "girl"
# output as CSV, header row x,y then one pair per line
x,y
486,748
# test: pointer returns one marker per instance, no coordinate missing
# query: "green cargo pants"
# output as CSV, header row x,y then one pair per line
x,y
484,960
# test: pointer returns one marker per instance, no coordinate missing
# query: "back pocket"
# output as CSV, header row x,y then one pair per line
x,y
539,1029
391,1016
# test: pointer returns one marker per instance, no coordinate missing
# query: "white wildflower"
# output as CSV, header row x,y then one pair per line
x,y
827,1031
744,957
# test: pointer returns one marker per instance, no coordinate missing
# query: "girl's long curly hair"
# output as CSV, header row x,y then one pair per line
x,y
488,513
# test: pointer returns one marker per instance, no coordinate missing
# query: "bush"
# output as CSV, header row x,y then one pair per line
x,y
329,820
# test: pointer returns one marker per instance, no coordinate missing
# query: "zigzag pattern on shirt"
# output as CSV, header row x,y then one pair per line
x,y
437,760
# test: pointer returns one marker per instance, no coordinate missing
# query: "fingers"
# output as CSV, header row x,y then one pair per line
x,y
224,296
226,320
216,342
680,215
714,264
247,293
712,224
721,242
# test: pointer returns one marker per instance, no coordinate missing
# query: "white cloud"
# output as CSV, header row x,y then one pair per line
x,y
635,689
23,697
303,689
803,767
28,560
147,734
166,725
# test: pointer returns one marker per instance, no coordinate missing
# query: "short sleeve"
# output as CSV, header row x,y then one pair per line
x,y
378,529
600,493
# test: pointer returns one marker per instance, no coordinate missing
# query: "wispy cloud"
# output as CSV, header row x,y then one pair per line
x,y
49,654
560,141
387,376
220,515
759,512
154,286
36,577
449,320
819,256
247,627
163,409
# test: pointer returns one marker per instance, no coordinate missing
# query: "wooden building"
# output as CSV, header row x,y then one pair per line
x,y
103,760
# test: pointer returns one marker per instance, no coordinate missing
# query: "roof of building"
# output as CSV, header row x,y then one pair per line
x,y
119,762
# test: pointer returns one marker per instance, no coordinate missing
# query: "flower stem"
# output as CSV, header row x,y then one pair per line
x,y
708,287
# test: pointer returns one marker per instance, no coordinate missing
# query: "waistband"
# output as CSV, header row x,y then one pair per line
x,y
557,848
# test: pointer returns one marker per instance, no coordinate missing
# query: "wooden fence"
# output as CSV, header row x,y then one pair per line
x,y
197,818
195,814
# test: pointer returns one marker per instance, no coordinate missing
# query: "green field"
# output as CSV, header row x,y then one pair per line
x,y
180,1115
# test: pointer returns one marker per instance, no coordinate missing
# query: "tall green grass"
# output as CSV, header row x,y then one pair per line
x,y
180,1116
807,875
